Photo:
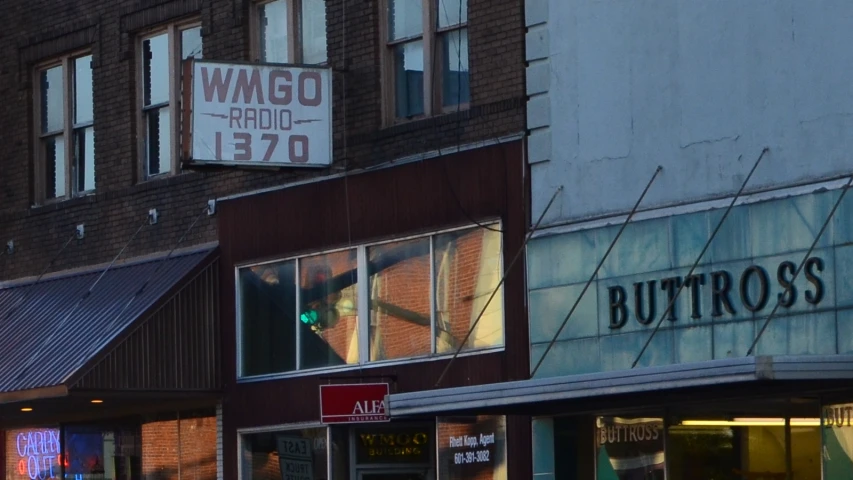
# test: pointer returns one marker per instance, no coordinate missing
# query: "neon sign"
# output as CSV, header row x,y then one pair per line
x,y
38,454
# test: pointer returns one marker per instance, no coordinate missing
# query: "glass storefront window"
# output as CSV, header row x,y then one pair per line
x,y
472,447
33,453
837,435
328,318
400,318
772,448
405,299
285,454
629,448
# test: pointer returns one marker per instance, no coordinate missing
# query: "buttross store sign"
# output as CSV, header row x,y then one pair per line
x,y
730,292
257,114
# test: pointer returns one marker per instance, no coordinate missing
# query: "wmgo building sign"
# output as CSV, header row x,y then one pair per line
x,y
257,114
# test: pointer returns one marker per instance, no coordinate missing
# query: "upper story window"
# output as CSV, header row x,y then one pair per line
x,y
64,115
290,31
406,299
426,57
160,85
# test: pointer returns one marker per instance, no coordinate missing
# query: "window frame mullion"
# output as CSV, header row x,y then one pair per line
x,y
68,127
432,298
429,19
294,29
363,291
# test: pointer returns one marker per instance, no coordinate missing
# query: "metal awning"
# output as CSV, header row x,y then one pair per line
x,y
747,370
53,331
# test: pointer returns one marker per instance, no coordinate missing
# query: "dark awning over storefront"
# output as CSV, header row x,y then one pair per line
x,y
147,324
742,371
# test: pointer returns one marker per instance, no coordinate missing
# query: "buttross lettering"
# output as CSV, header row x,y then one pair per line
x,y
628,433
750,290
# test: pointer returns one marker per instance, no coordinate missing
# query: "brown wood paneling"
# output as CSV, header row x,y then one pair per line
x,y
174,348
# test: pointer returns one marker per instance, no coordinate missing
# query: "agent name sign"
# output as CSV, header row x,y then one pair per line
x,y
259,114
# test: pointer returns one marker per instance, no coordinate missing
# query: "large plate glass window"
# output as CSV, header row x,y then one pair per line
x,y
415,297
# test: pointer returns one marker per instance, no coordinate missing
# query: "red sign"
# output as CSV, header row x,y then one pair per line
x,y
353,403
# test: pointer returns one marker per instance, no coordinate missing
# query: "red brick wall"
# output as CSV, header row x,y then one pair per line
x,y
163,447
43,29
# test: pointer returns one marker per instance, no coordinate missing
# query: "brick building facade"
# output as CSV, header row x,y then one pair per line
x,y
466,162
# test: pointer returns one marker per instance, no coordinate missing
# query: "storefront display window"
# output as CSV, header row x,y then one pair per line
x,y
837,432
772,448
400,452
404,299
630,448
283,454
33,453
472,448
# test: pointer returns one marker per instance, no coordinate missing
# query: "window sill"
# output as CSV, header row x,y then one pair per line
x,y
364,366
59,204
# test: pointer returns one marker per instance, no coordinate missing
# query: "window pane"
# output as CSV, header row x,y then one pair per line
x,y
83,90
52,100
155,69
84,159
467,271
484,459
313,31
158,141
405,18
837,441
54,166
399,300
191,43
455,86
328,318
32,453
409,79
267,316
284,454
629,448
273,31
452,12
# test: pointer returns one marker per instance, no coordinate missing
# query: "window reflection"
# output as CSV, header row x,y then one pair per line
x,y
273,32
400,317
54,156
467,270
52,100
405,18
83,103
455,84
328,309
452,12
268,318
155,69
409,78
191,43
284,454
313,31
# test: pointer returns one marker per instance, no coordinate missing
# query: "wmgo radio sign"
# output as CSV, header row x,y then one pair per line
x,y
258,115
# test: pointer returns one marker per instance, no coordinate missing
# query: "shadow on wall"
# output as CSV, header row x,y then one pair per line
x,y
201,469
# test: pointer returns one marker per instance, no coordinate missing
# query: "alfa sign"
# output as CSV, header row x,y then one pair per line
x,y
257,114
353,403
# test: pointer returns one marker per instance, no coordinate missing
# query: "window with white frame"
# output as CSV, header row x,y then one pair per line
x,y
160,65
403,299
426,57
290,31
64,114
